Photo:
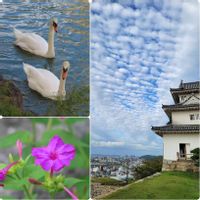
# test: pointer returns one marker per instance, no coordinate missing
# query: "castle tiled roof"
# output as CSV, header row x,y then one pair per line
x,y
173,129
185,88
180,107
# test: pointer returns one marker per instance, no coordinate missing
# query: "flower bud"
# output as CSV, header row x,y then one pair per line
x,y
34,181
19,148
10,156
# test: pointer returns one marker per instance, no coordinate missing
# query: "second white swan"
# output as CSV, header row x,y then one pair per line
x,y
35,44
45,82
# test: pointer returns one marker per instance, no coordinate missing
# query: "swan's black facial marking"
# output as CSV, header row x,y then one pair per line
x,y
65,70
55,25
65,73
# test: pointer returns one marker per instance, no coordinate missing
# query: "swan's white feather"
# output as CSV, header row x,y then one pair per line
x,y
31,42
42,81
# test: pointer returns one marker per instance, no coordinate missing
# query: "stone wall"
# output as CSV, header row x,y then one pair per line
x,y
179,165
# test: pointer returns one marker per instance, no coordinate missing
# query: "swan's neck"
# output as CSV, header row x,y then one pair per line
x,y
61,89
51,51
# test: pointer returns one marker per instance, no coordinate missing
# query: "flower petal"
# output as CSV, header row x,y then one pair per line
x,y
57,165
46,164
54,156
55,143
66,148
66,159
5,170
2,175
40,152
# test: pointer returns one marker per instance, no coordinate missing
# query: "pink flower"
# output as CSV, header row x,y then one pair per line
x,y
55,156
19,148
4,171
71,194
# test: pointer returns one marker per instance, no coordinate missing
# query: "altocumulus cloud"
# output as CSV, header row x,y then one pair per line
x,y
139,49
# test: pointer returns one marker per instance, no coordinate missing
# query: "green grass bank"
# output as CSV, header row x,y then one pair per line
x,y
169,185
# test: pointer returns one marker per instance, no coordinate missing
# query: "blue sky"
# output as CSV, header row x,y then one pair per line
x,y
139,49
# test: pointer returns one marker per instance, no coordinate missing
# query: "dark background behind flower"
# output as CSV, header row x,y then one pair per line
x,y
37,132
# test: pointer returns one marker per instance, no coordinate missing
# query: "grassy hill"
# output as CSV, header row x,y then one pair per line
x,y
169,185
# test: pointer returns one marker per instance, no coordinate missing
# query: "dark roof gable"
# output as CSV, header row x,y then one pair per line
x,y
190,85
185,88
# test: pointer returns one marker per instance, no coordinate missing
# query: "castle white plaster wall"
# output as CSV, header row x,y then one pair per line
x,y
172,141
183,117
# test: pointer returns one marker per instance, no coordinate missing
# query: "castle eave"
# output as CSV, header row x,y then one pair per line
x,y
177,107
174,129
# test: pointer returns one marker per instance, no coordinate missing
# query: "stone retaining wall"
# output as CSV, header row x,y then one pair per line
x,y
179,165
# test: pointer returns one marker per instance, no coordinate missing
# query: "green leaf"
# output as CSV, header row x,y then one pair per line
x,y
66,136
40,120
83,189
69,182
71,121
10,140
33,171
79,162
47,135
13,184
2,165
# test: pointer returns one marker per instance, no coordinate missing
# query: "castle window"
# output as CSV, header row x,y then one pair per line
x,y
192,117
182,98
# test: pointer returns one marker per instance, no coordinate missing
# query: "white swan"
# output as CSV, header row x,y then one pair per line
x,y
45,82
35,44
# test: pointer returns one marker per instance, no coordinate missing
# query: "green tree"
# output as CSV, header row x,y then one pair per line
x,y
148,168
195,156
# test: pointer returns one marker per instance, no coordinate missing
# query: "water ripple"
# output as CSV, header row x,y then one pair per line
x,y
71,43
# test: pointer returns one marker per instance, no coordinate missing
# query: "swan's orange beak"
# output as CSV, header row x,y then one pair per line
x,y
64,75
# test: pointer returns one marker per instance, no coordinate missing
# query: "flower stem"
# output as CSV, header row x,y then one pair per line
x,y
34,133
51,173
26,191
52,195
50,120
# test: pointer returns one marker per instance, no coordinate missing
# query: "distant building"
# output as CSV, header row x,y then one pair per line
x,y
181,134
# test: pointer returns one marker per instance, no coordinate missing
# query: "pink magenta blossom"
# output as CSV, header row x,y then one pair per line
x,y
19,148
71,194
4,171
55,156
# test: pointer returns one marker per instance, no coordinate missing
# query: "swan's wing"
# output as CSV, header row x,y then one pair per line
x,y
41,80
31,42
51,81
